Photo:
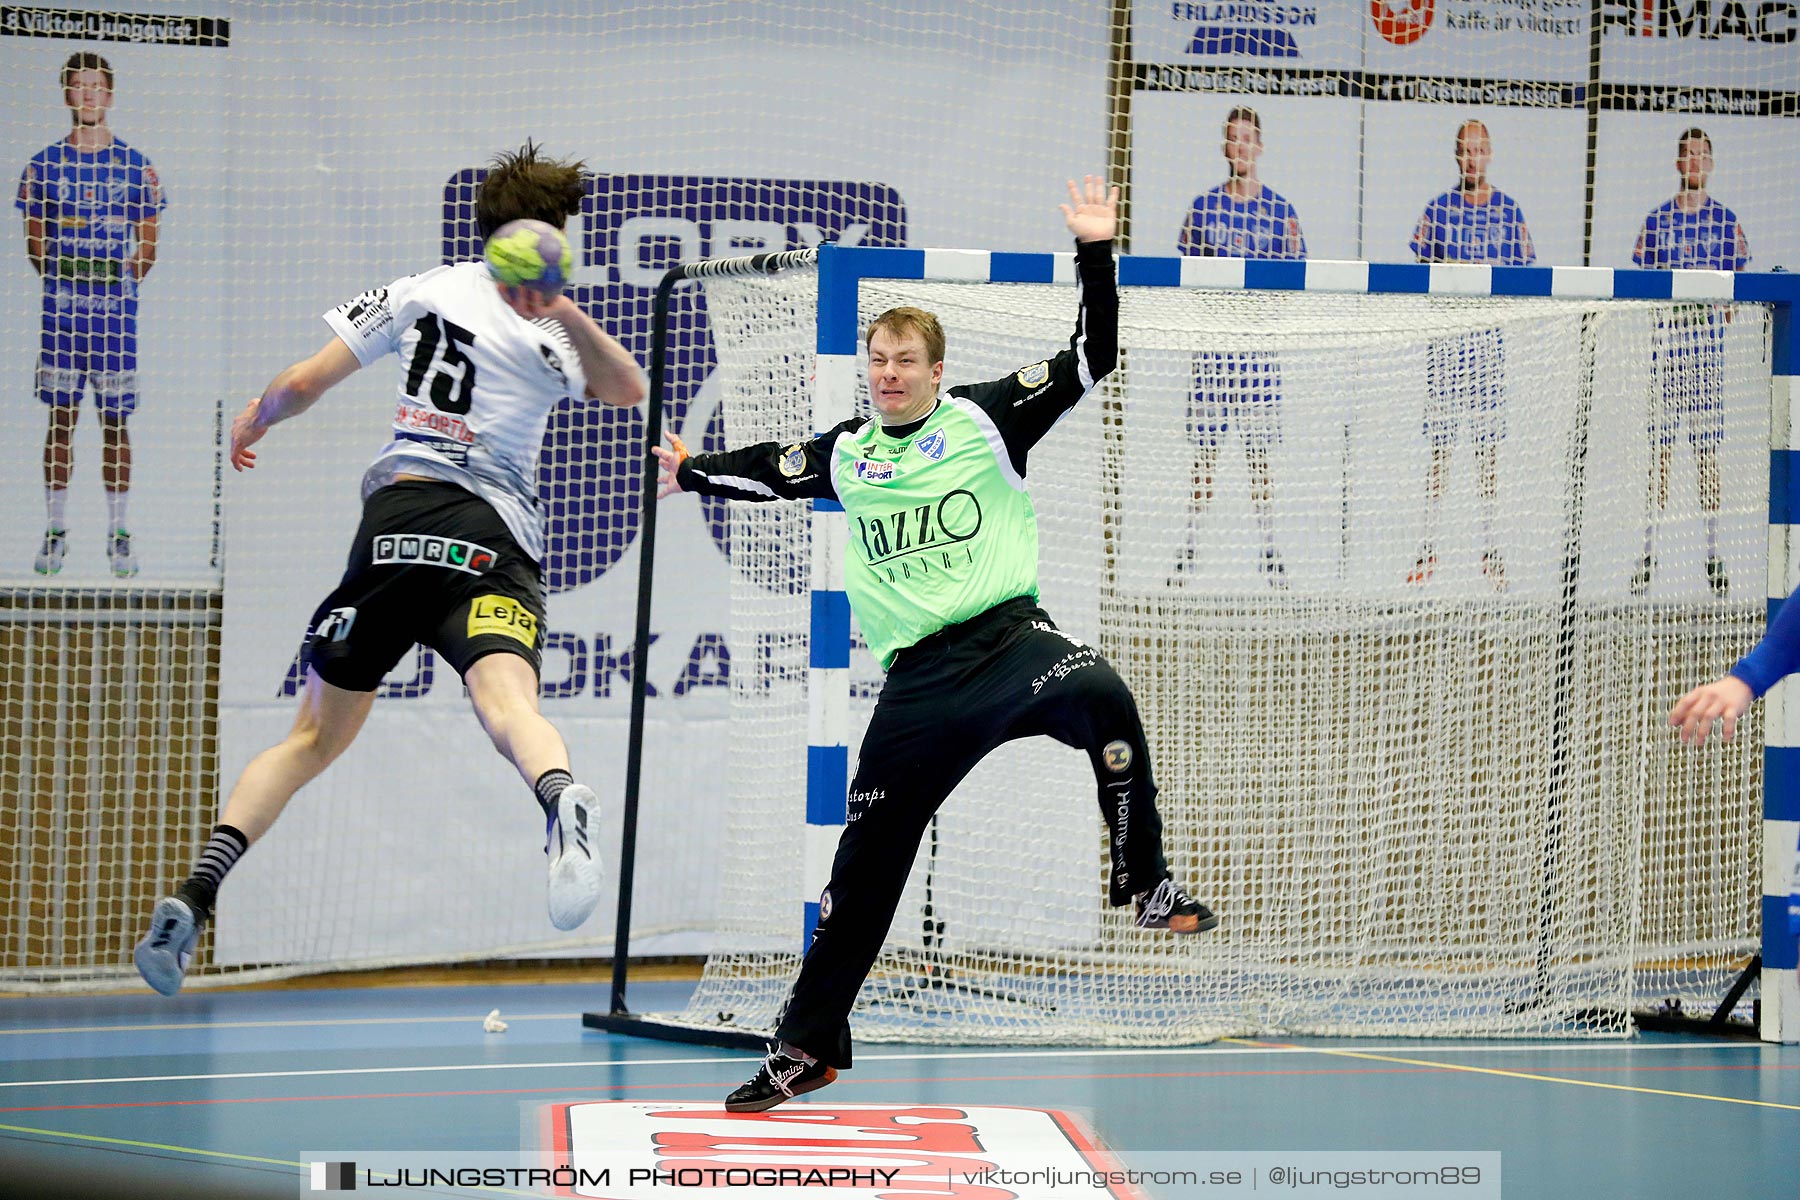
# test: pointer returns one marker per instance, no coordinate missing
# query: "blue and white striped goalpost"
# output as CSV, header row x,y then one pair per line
x,y
842,269
1781,723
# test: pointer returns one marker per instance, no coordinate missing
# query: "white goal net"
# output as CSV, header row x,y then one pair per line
x,y
227,171
1419,767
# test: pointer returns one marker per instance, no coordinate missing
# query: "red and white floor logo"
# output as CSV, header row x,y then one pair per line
x,y
799,1151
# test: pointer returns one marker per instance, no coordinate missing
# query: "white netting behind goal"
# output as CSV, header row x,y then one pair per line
x,y
294,153
1419,768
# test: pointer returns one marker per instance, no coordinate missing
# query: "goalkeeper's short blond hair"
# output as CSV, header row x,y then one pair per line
x,y
906,319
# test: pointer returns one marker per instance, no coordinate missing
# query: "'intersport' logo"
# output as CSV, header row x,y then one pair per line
x,y
1254,30
1402,22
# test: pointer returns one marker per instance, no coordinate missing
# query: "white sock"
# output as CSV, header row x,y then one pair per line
x,y
1434,505
56,502
115,510
1487,504
1712,535
793,1051
1265,524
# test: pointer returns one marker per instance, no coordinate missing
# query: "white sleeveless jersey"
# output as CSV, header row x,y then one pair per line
x,y
477,385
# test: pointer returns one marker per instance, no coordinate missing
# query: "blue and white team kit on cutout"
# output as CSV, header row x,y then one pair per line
x,y
1466,374
90,203
1239,388
1690,345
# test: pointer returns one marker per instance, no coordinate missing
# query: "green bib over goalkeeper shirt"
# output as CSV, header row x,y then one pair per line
x,y
941,527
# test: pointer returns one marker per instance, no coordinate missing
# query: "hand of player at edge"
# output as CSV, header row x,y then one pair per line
x,y
1093,215
1726,699
245,433
670,460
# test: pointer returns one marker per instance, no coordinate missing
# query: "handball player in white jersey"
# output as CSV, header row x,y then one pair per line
x,y
448,551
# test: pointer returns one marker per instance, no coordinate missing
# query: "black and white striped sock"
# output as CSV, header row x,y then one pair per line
x,y
223,849
550,787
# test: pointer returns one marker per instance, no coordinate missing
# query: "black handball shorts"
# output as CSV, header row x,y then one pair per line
x,y
432,564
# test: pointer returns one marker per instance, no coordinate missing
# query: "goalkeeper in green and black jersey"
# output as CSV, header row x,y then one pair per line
x,y
942,574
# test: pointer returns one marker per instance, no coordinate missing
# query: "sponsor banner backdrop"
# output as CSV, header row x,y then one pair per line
x,y
1754,43
1492,39
309,152
1421,66
1305,33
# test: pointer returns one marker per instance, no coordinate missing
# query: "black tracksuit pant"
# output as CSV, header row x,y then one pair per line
x,y
1004,674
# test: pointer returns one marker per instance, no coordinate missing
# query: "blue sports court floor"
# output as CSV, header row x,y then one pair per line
x,y
225,1094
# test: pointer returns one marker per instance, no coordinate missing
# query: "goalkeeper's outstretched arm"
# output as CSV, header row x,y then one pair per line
x,y
1728,697
765,471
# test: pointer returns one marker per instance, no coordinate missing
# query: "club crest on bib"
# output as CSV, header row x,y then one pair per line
x,y
932,445
793,460
1036,375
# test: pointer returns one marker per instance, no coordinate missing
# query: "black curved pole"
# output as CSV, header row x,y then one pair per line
x,y
640,657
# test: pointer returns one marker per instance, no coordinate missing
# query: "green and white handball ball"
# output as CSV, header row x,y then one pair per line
x,y
530,254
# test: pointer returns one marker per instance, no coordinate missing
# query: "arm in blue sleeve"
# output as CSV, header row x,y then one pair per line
x,y
1777,655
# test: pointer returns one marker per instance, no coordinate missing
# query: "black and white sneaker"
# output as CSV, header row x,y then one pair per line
x,y
1716,578
1183,570
118,553
575,869
781,1077
163,955
1166,906
49,558
1273,569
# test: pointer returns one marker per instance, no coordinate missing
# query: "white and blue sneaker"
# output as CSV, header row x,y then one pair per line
x,y
163,955
575,869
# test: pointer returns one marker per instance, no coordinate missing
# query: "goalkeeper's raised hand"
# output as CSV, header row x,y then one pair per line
x,y
1093,212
